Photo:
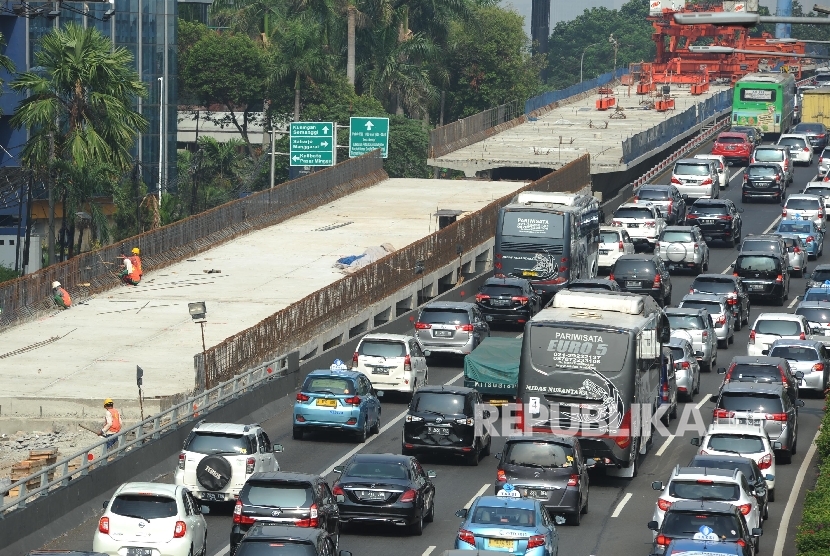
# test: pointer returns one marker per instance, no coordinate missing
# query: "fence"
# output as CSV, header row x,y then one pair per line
x,y
471,129
550,97
92,272
303,320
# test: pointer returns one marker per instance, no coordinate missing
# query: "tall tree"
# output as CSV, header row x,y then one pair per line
x,y
5,63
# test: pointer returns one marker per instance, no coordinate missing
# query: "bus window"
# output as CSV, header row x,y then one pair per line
x,y
531,224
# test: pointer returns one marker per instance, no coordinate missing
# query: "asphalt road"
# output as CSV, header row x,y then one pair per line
x,y
619,508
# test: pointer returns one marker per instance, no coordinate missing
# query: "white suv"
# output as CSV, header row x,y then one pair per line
x,y
642,221
769,327
217,459
391,362
805,207
613,244
800,148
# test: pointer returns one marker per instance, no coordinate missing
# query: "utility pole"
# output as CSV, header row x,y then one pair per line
x,y
50,184
273,141
161,136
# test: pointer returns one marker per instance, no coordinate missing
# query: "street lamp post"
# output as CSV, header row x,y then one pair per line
x,y
161,134
582,59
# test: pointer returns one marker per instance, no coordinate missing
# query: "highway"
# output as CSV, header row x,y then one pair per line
x,y
619,508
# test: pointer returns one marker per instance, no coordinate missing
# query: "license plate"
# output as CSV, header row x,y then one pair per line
x,y
213,496
708,220
633,225
372,495
438,430
500,302
442,333
139,552
756,287
380,371
529,273
501,543
538,494
632,284
327,403
604,251
749,421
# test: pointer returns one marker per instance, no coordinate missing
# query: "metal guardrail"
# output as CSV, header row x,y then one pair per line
x,y
81,463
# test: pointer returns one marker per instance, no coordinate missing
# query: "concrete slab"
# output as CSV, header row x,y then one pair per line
x,y
98,344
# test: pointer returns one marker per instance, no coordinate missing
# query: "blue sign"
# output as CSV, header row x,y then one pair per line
x,y
339,366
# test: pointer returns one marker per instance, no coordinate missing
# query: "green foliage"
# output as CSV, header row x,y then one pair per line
x,y
131,216
189,34
408,144
813,537
7,273
5,63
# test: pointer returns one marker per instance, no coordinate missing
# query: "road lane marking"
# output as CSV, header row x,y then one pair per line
x,y
703,401
223,551
788,511
476,495
792,303
621,505
665,445
737,173
728,269
771,226
428,551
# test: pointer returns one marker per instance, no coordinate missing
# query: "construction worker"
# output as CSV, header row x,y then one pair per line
x,y
137,262
112,423
129,274
61,296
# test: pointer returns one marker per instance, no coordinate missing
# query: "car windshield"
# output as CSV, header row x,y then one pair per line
x,y
760,245
730,140
801,128
255,547
686,322
795,228
756,262
438,402
329,385
710,208
817,190
713,307
377,470
762,171
744,466
538,454
444,316
272,493
814,314
688,169
382,348
501,291
769,155
741,443
677,236
778,327
795,353
627,267
750,401
519,517
817,294
203,442
677,353
145,506
803,204
820,275
609,237
713,285
688,524
653,194
633,212
751,372
704,489
791,142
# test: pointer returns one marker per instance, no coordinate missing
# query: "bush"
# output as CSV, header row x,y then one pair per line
x,y
7,273
813,537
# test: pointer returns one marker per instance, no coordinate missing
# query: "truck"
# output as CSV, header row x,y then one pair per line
x,y
815,106
493,368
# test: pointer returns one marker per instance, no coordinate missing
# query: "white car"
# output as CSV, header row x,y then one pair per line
x,y
613,244
824,162
702,483
391,362
805,207
154,519
683,247
722,167
696,178
800,148
217,459
769,327
643,221
749,441
822,189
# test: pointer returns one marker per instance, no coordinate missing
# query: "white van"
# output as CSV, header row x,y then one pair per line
x,y
392,362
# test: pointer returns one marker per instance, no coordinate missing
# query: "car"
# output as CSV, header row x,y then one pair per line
x,y
704,520
820,189
516,525
754,134
442,420
817,294
696,547
796,254
339,400
665,197
757,479
805,207
642,221
291,499
703,483
613,243
510,300
450,328
159,518
772,369
668,392
821,79
686,367
217,459
643,274
808,357
593,284
549,468
824,162
819,277
734,439
732,287
717,219
280,540
816,134
777,154
771,243
764,274
812,236
767,405
392,362
801,150
817,314
64,553
764,180
698,323
722,165
696,178
717,305
769,327
385,488
683,247
734,147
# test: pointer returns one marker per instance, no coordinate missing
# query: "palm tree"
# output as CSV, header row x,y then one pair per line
x,y
5,63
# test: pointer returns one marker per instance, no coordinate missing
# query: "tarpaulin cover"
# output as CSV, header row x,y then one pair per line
x,y
494,361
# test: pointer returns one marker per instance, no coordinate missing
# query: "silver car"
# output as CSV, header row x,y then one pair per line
x,y
800,148
824,162
718,307
452,328
683,247
822,189
779,155
808,356
796,254
805,207
686,367
696,178
698,324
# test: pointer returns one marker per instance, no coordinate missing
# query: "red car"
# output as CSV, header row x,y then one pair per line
x,y
734,147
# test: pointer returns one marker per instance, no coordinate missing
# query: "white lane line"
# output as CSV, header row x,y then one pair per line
x,y
476,495
738,172
703,401
665,445
788,511
621,505
728,269
428,551
223,551
792,303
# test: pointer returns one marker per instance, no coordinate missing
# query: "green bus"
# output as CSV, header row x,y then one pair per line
x,y
765,101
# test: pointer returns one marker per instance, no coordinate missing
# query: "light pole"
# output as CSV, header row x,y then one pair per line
x,y
582,59
161,134
198,312
616,45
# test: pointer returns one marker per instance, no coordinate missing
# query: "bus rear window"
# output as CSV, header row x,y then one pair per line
x,y
754,95
577,349
533,224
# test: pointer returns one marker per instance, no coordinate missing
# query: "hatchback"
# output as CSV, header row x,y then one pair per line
x,y
593,284
812,236
796,254
820,189
717,219
817,314
683,247
730,286
734,146
686,367
614,242
807,357
643,274
805,207
264,538
769,327
696,178
392,362
665,197
750,441
510,524
722,165
717,305
698,323
778,155
510,300
772,369
819,277
450,328
801,150
757,479
816,133
763,181
764,274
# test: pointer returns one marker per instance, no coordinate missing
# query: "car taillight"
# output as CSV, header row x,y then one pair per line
x,y
501,475
611,276
703,453
707,181
697,248
765,462
818,367
650,224
573,480
745,508
741,543
104,525
783,213
801,337
464,327
481,297
705,482
535,540
779,278
663,504
302,397
179,530
520,299
723,414
623,436
656,246
238,517
355,359
466,536
732,299
665,392
781,417
636,198
181,460
685,365
354,400
676,180
408,496
621,246
705,334
422,326
693,216
746,177
616,223
663,540
721,320
407,364
751,336
250,463
311,520
725,217
806,150
337,490
657,281
796,249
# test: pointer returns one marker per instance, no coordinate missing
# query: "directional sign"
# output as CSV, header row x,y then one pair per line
x,y
312,144
368,134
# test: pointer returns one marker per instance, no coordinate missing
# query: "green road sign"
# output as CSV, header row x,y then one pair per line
x,y
312,144
368,134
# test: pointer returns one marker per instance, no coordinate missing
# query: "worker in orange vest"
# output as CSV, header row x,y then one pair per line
x,y
130,274
61,296
112,423
137,262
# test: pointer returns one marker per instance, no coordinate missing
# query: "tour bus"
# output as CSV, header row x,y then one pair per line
x,y
766,101
549,239
590,366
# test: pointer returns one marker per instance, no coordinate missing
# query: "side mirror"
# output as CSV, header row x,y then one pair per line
x,y
757,532
657,485
339,469
497,455
799,403
431,474
653,526
340,498
699,354
344,553
732,265
799,375
764,352
204,510
379,393
462,513
776,446
277,448
685,197
721,370
695,441
106,503
769,477
590,462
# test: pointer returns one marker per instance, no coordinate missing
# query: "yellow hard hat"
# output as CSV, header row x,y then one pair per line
x,y
107,402
136,251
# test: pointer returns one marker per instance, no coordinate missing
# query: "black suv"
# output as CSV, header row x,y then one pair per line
x,y
717,219
756,478
294,499
763,181
442,420
817,278
764,274
730,286
770,243
508,300
717,521
278,540
643,274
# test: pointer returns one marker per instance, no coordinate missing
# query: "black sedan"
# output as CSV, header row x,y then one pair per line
x,y
385,488
508,300
815,132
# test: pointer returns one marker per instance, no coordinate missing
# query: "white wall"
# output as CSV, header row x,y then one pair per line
x,y
8,252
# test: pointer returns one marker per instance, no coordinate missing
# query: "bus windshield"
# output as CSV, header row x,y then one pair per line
x,y
533,224
556,347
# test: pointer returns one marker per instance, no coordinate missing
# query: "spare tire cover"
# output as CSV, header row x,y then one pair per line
x,y
214,472
676,252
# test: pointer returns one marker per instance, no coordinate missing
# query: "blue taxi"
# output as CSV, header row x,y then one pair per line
x,y
337,399
812,236
507,523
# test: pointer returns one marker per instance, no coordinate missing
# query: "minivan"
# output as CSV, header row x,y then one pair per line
x,y
764,274
391,361
779,155
451,328
696,178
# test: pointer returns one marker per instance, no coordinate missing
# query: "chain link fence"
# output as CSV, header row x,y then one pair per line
x,y
550,97
469,130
